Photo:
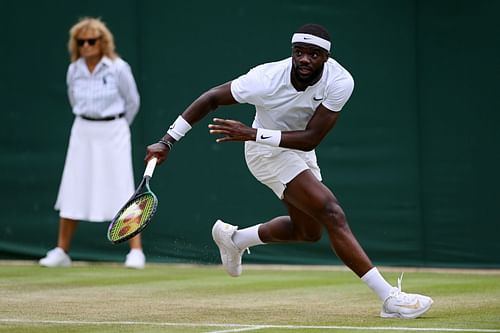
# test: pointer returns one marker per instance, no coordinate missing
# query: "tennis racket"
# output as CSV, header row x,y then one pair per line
x,y
136,214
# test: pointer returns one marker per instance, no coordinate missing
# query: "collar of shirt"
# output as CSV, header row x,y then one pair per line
x,y
105,62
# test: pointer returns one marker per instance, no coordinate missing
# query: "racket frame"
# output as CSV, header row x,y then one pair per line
x,y
142,189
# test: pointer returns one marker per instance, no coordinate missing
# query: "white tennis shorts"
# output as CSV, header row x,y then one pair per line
x,y
275,167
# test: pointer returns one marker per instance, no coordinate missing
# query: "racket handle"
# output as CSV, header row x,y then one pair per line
x,y
150,167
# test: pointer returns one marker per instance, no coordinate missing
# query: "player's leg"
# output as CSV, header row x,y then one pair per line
x,y
280,229
311,206
313,198
307,194
297,227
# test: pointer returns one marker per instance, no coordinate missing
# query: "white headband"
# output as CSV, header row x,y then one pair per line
x,y
311,39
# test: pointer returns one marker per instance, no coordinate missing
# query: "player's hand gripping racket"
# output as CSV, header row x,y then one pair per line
x,y
136,214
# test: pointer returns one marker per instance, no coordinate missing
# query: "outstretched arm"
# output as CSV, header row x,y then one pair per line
x,y
208,101
319,125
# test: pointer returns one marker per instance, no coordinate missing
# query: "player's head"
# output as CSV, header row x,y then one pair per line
x,y
313,34
310,51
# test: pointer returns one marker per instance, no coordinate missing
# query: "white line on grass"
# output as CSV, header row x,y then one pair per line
x,y
232,330
244,327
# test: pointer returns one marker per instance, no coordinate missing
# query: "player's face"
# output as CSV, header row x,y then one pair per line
x,y
307,63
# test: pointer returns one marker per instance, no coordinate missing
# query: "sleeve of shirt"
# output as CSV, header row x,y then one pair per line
x,y
128,90
339,93
248,87
69,84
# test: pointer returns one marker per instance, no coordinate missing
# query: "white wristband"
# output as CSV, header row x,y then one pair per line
x,y
268,137
179,128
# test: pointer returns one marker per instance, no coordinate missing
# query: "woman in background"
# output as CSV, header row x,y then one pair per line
x,y
98,174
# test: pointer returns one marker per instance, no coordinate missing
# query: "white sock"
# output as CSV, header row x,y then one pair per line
x,y
247,237
377,283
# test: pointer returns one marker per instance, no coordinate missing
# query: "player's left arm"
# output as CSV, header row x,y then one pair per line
x,y
322,121
319,125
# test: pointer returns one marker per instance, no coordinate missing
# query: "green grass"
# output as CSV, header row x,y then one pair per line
x,y
188,299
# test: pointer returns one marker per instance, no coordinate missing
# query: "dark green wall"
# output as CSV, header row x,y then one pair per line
x,y
459,73
413,160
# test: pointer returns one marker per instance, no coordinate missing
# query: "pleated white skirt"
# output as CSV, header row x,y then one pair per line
x,y
98,175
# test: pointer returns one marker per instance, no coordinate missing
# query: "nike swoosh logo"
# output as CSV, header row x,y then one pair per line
x,y
317,98
307,37
410,306
172,126
264,137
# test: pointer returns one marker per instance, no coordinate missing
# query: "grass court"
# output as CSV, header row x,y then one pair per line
x,y
99,297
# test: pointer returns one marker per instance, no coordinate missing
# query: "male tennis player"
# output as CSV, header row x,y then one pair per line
x,y
298,101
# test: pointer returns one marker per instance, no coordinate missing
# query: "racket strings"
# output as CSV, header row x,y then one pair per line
x,y
133,217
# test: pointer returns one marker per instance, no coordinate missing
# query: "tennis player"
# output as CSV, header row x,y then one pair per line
x,y
298,101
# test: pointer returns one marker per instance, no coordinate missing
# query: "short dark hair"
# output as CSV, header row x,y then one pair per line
x,y
314,29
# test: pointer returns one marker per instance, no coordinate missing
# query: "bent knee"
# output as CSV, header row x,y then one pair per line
x,y
333,215
336,213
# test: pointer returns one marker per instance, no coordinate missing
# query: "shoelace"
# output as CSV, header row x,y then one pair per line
x,y
400,279
405,297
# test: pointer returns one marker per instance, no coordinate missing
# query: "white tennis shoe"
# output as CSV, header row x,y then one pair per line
x,y
403,305
135,259
55,258
230,254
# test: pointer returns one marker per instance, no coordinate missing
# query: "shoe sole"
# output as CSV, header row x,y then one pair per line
x,y
406,316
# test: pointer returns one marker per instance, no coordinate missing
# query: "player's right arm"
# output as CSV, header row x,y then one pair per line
x,y
203,105
209,101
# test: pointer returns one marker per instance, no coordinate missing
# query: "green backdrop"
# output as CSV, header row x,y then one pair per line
x,y
413,160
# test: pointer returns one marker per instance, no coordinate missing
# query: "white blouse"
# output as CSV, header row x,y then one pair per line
x,y
108,91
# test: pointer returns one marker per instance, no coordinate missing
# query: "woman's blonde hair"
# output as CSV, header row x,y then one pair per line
x,y
93,24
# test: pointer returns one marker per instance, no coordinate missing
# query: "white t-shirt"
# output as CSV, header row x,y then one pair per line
x,y
279,106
